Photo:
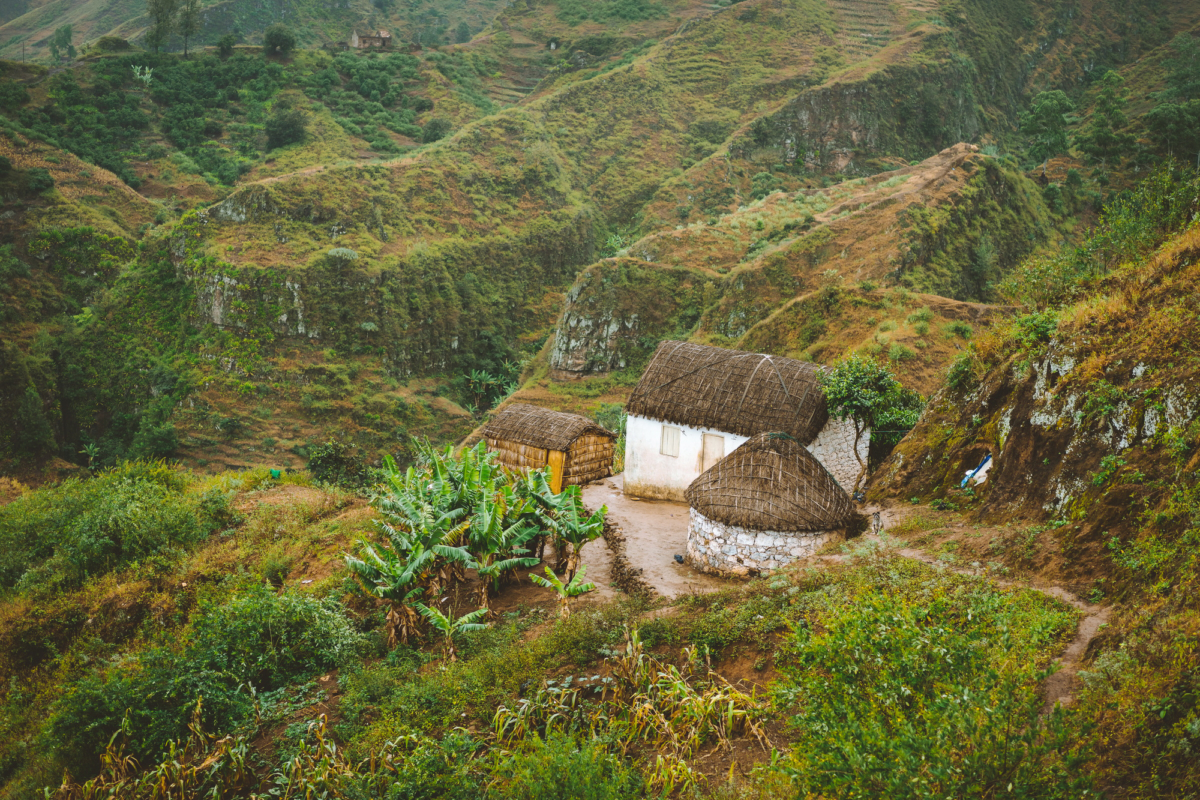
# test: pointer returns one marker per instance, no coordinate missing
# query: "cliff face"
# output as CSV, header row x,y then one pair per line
x,y
1085,418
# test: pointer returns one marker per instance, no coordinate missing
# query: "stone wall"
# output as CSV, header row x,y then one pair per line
x,y
834,447
729,550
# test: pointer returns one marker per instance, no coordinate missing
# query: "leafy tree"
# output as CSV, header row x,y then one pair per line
x,y
1183,68
448,625
285,126
462,33
189,21
225,45
1175,127
497,547
436,129
60,43
1102,139
38,180
278,40
34,435
868,394
568,521
1046,125
163,15
566,590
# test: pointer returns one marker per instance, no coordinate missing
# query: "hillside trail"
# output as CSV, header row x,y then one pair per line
x,y
1059,687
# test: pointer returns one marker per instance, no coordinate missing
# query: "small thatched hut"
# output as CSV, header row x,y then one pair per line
x,y
574,449
695,403
767,503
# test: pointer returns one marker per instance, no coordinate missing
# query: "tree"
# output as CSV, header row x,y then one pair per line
x,y
462,33
1102,139
497,548
34,435
1175,127
162,22
225,45
1046,125
189,21
447,625
1183,69
566,591
285,126
436,129
569,523
868,394
60,43
278,40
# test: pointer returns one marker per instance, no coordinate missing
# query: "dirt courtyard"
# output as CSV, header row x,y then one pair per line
x,y
655,532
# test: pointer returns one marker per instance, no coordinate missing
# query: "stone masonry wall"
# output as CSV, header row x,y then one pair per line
x,y
834,447
720,549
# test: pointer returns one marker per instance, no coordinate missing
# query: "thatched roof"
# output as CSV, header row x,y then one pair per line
x,y
771,483
731,390
540,427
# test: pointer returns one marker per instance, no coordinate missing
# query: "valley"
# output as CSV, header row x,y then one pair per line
x,y
259,304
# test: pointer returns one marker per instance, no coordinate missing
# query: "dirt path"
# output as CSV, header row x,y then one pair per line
x,y
655,532
1060,687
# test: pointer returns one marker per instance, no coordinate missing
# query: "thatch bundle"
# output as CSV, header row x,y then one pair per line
x,y
731,390
772,483
526,436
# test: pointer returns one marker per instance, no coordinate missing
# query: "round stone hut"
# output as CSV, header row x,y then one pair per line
x,y
764,505
573,449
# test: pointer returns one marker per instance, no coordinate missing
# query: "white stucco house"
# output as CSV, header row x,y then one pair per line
x,y
696,404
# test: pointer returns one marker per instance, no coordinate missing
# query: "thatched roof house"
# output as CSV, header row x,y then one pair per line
x,y
574,449
696,403
731,390
770,501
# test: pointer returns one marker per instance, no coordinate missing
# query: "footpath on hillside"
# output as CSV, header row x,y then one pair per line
x,y
650,533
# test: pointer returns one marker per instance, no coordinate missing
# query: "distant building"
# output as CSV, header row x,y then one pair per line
x,y
380,40
695,404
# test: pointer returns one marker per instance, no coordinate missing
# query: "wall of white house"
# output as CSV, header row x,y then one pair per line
x,y
651,474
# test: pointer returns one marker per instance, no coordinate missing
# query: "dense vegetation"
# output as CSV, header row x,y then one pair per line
x,y
279,263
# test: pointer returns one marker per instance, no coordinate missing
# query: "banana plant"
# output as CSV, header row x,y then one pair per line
x,y
447,625
571,526
497,547
567,591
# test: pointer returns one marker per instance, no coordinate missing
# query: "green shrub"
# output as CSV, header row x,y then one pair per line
x,y
278,40
561,767
59,536
437,128
285,126
898,352
258,642
959,328
38,180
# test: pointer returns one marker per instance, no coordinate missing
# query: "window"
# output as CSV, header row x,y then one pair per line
x,y
670,441
714,451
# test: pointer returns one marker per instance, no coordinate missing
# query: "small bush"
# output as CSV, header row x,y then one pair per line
x,y
435,129
38,180
560,767
959,328
285,126
225,45
898,352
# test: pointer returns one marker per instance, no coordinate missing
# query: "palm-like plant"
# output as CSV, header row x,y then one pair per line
x,y
447,625
497,547
569,522
566,591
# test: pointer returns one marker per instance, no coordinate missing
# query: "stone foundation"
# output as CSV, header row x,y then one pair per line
x,y
720,549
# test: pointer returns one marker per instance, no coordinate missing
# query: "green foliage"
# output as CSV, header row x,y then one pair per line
x,y
163,17
278,40
866,392
257,642
38,180
1046,124
1104,139
902,688
285,126
226,44
33,433
560,767
140,510
437,128
574,12
336,464
1131,224
60,43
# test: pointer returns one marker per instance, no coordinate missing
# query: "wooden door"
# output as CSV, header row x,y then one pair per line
x,y
556,461
714,451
